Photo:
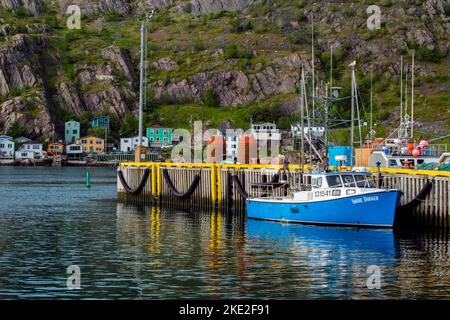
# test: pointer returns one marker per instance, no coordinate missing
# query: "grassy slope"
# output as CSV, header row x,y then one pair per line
x,y
190,41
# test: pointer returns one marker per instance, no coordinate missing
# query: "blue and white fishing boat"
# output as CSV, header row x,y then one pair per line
x,y
333,198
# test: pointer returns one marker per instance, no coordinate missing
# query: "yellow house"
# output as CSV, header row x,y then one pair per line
x,y
92,144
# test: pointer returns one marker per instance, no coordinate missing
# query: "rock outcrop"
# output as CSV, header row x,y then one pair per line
x,y
33,6
30,111
18,68
236,88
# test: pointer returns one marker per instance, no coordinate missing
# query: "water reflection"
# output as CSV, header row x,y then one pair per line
x,y
214,255
143,252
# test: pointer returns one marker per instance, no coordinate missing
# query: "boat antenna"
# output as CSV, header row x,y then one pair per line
x,y
142,86
412,96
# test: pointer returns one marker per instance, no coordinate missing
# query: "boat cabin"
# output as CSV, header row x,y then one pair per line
x,y
339,180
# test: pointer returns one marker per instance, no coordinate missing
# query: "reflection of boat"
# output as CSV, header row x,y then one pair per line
x,y
332,198
368,241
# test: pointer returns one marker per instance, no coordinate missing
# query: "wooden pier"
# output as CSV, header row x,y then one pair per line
x,y
216,189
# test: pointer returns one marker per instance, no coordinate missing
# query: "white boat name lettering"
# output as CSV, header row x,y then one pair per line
x,y
365,199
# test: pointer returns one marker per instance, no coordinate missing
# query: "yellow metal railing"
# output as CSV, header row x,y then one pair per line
x,y
216,173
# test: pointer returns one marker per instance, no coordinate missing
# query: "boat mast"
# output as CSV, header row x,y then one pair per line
x,y
401,91
352,136
302,120
371,103
412,96
331,71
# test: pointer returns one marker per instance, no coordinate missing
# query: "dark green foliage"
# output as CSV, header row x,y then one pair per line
x,y
428,55
233,51
23,12
130,125
199,46
210,99
447,8
187,7
240,25
16,130
113,16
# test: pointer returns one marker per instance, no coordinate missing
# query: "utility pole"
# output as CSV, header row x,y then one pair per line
x,y
313,70
141,151
412,96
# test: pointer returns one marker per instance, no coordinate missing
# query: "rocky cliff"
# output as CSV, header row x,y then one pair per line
x,y
246,52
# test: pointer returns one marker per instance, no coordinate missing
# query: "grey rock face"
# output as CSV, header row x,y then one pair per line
x,y
17,68
30,111
235,88
96,7
34,6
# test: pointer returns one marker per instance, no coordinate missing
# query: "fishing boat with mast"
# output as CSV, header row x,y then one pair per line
x,y
331,198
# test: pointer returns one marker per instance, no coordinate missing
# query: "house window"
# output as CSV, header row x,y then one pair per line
x,y
36,147
166,132
84,141
166,139
75,131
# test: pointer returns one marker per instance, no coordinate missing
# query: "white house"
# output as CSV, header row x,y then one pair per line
x,y
74,151
266,134
30,150
129,144
232,143
6,148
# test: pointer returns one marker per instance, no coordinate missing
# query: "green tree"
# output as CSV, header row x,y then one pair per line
x,y
210,99
130,125
16,130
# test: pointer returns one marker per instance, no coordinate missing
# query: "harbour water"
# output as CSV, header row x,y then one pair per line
x,y
49,221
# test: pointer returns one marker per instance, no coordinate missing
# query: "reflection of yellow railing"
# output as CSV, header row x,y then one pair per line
x,y
155,229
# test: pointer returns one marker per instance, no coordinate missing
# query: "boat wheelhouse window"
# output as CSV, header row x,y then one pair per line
x,y
316,182
334,181
361,181
349,181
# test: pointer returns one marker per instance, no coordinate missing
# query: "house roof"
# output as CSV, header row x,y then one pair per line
x,y
158,126
32,142
87,137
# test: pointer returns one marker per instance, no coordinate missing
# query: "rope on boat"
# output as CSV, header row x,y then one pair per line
x,y
141,185
175,192
239,187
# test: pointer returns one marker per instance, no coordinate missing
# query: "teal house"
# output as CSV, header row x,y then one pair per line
x,y
71,131
158,135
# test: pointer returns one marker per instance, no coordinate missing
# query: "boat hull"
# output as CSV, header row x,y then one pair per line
x,y
368,210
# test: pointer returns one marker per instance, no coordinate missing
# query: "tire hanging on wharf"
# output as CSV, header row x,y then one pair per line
x,y
141,185
175,192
